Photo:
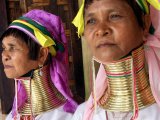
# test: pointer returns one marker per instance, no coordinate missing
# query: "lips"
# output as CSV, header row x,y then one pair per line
x,y
7,66
104,44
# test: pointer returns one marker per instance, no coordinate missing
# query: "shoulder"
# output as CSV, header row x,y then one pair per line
x,y
78,115
9,116
55,114
81,107
150,113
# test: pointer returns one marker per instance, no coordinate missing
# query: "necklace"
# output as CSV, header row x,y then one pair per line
x,y
42,95
120,84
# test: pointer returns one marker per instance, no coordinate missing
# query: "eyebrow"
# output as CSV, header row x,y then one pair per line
x,y
90,15
109,10
9,44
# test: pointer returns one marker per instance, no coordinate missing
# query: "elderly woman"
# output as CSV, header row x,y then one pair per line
x,y
125,40
35,56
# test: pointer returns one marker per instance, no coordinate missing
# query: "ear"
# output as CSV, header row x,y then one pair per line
x,y
147,24
43,54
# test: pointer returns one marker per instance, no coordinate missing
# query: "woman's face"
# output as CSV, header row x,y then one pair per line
x,y
15,57
111,29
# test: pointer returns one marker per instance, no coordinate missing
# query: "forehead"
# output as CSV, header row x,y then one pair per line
x,y
8,40
91,1
107,4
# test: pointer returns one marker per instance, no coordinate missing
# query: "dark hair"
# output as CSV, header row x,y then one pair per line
x,y
137,10
34,48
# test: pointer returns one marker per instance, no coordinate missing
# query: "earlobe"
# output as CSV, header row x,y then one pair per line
x,y
43,54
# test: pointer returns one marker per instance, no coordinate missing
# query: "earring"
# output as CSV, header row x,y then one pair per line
x,y
40,70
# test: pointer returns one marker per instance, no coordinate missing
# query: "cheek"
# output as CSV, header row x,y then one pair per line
x,y
21,62
26,66
129,38
90,45
88,37
18,59
89,32
20,65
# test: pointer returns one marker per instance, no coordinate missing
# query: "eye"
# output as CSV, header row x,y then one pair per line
x,y
115,16
3,48
12,49
91,21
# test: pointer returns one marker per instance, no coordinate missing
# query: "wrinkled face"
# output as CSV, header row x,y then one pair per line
x,y
111,29
15,57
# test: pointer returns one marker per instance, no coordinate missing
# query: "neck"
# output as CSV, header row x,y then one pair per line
x,y
121,74
42,95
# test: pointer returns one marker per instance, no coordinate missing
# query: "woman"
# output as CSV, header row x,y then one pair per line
x,y
35,56
124,40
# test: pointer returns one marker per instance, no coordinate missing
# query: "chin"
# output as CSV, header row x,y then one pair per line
x,y
106,59
11,76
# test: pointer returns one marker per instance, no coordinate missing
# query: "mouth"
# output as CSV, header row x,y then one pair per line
x,y
7,66
105,44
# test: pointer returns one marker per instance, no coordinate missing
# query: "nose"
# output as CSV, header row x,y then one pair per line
x,y
5,55
103,29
